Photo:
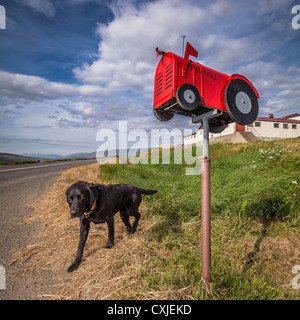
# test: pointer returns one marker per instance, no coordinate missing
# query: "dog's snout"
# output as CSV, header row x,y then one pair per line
x,y
73,210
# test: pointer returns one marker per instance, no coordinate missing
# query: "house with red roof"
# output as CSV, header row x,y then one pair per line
x,y
264,128
270,127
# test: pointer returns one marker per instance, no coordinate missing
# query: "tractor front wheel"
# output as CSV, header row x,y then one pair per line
x,y
241,102
188,97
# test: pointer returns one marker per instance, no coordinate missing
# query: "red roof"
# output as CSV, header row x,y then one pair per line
x,y
294,115
285,119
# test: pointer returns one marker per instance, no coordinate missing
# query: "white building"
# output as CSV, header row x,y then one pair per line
x,y
264,128
276,128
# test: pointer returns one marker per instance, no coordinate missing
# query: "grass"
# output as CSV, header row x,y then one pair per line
x,y
255,192
19,162
255,208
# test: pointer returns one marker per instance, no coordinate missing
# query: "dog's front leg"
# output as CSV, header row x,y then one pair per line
x,y
84,231
111,232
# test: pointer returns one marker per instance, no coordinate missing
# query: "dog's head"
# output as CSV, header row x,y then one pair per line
x,y
81,197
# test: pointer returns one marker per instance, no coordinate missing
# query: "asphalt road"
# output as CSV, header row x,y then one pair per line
x,y
19,185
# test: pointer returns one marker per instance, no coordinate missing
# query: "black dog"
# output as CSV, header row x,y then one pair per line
x,y
98,203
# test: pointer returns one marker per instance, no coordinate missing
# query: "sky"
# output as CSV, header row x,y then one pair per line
x,y
70,68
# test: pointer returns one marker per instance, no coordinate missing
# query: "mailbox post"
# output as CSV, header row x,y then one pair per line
x,y
205,195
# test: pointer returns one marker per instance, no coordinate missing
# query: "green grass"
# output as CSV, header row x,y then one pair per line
x,y
19,162
255,207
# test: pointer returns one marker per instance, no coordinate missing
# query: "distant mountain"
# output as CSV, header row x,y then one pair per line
x,y
43,156
79,155
9,157
59,156
37,157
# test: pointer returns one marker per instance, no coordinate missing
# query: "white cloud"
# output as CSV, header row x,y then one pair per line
x,y
32,87
126,58
43,6
266,7
279,87
118,84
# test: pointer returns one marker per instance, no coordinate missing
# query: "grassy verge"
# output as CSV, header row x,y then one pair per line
x,y
18,162
255,222
255,230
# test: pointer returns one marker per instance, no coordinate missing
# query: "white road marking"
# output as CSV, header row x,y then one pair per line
x,y
46,165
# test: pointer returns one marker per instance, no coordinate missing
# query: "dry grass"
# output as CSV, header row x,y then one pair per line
x,y
126,270
103,273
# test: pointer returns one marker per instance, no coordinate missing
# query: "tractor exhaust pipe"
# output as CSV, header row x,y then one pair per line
x,y
182,48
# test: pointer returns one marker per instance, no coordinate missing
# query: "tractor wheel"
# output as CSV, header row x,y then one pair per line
x,y
162,115
188,97
217,128
241,102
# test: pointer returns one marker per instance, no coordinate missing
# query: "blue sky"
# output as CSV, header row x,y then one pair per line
x,y
69,68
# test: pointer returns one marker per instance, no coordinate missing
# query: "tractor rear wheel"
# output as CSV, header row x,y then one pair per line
x,y
162,115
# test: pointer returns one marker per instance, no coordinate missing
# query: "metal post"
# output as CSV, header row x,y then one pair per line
x,y
205,219
205,194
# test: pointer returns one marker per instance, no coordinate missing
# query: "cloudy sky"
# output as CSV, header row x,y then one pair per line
x,y
69,68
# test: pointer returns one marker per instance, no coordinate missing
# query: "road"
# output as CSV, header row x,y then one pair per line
x,y
19,185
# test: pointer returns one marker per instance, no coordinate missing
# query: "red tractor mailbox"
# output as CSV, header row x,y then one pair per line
x,y
188,88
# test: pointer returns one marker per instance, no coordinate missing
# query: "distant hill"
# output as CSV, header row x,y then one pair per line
x,y
8,157
87,155
49,156
59,156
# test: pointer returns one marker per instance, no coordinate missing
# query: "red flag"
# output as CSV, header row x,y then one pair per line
x,y
190,51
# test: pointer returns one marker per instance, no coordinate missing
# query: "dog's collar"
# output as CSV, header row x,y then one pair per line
x,y
93,207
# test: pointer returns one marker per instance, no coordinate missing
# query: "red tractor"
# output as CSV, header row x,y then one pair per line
x,y
188,88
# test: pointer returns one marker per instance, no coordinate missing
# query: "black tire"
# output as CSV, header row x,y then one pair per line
x,y
215,128
188,97
162,115
241,102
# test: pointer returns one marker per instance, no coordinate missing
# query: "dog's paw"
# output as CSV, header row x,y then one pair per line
x,y
73,267
129,230
109,245
133,230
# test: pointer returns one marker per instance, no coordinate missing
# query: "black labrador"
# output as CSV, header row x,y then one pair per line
x,y
98,203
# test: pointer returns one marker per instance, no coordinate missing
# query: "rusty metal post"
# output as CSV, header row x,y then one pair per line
x,y
205,220
205,204
205,195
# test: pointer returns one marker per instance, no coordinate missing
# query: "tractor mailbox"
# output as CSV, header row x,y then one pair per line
x,y
188,88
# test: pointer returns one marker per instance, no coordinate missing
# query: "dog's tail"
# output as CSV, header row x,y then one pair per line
x,y
143,191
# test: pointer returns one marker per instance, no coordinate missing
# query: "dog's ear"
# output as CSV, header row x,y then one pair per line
x,y
67,192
